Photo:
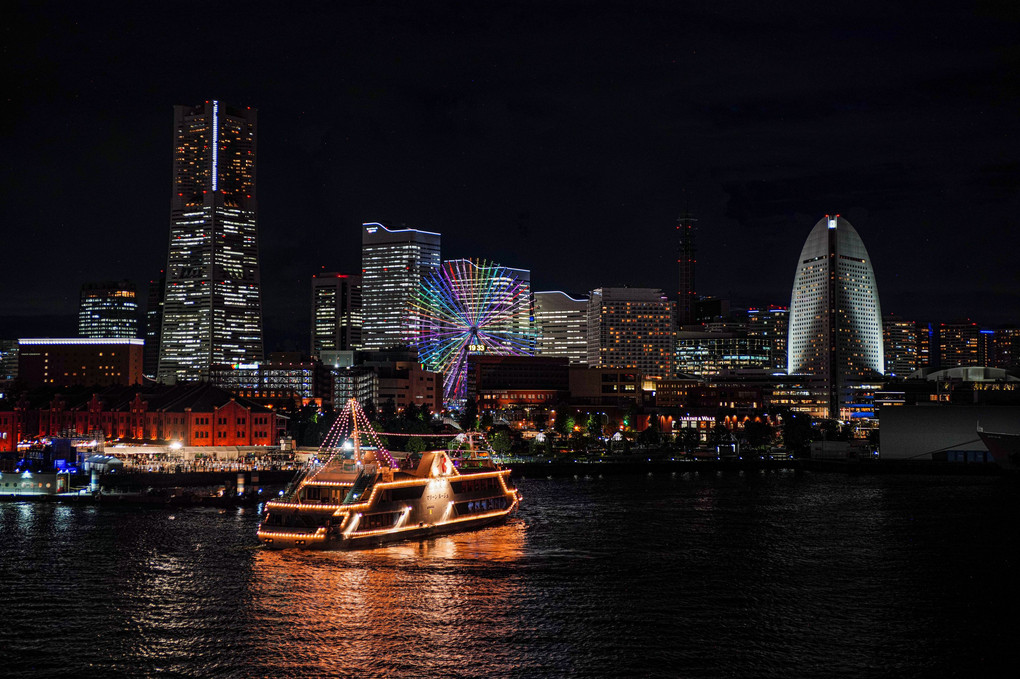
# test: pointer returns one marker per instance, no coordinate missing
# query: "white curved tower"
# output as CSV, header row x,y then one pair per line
x,y
835,333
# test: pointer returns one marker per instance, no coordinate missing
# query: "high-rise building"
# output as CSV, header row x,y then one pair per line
x,y
108,309
393,263
772,326
631,328
153,326
1003,348
561,322
835,315
212,312
336,312
927,347
899,341
686,295
958,344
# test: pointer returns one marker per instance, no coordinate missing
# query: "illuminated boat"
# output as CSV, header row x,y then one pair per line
x,y
362,498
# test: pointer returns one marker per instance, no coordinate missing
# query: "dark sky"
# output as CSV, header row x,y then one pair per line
x,y
562,137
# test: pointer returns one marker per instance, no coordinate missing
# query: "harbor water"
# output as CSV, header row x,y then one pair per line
x,y
719,574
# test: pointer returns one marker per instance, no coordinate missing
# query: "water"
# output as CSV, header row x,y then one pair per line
x,y
702,575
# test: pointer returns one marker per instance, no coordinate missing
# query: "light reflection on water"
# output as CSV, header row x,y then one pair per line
x,y
379,610
712,575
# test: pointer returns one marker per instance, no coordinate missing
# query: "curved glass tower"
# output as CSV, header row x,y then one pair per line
x,y
835,332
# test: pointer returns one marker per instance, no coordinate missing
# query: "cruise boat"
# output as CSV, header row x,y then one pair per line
x,y
363,497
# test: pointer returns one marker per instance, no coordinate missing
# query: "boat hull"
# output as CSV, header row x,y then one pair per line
x,y
1004,448
409,534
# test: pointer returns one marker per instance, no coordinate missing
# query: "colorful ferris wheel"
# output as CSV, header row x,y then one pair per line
x,y
470,307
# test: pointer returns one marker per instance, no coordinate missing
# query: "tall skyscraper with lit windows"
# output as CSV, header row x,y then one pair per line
x,y
393,263
336,312
212,309
835,316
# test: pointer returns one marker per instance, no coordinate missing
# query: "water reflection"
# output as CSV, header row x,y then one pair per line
x,y
430,607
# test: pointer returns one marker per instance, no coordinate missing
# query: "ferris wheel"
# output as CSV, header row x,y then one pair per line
x,y
469,307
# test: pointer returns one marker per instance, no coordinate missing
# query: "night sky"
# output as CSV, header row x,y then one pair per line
x,y
561,137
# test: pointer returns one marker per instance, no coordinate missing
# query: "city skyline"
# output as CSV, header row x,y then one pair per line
x,y
573,161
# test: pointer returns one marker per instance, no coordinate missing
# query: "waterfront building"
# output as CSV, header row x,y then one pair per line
x,y
899,340
285,378
711,354
192,414
835,316
497,382
631,328
561,324
212,305
958,344
80,361
153,326
108,309
336,313
772,326
393,264
605,386
686,297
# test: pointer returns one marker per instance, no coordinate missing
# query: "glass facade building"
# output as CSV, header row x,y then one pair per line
x,y
561,324
393,263
336,313
108,309
212,310
835,315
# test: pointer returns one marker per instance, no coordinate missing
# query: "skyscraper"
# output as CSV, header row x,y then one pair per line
x,y
631,328
686,295
772,326
561,323
108,309
958,344
336,312
899,338
393,263
835,315
212,311
153,326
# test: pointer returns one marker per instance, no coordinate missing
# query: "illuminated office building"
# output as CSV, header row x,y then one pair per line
x,y
561,323
631,328
772,327
336,313
393,263
958,344
899,339
835,316
212,311
108,309
153,326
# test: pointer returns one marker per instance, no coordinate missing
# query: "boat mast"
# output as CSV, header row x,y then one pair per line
x,y
353,405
